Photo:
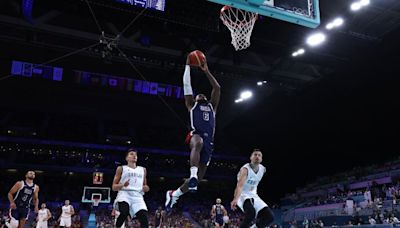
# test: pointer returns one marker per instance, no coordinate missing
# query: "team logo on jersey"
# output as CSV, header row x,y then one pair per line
x,y
205,108
135,175
252,182
27,191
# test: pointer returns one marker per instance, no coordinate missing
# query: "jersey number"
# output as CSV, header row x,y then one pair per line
x,y
206,116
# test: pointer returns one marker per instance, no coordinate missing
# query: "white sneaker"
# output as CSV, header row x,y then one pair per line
x,y
170,200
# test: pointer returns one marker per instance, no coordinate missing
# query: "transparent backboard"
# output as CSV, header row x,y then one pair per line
x,y
301,12
91,193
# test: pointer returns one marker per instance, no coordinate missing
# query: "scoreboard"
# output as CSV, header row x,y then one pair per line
x,y
151,4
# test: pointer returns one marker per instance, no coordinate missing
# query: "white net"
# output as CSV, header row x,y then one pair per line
x,y
96,202
240,23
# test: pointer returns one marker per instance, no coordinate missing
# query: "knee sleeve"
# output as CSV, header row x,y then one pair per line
x,y
142,217
265,217
249,213
123,208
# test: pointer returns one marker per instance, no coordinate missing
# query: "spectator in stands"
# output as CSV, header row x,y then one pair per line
x,y
321,224
305,222
371,220
350,223
394,219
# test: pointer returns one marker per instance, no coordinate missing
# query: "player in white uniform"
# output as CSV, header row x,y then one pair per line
x,y
131,183
246,197
43,216
66,215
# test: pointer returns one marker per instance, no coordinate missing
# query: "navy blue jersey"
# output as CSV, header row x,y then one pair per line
x,y
219,213
202,119
24,195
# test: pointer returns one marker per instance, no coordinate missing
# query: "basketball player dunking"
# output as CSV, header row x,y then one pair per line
x,y
66,214
246,196
43,216
218,212
201,138
20,197
131,183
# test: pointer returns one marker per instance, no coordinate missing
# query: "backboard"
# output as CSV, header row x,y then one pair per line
x,y
92,193
301,12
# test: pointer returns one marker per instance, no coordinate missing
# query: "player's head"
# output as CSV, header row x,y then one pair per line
x,y
218,201
201,98
66,202
131,155
256,156
43,206
30,175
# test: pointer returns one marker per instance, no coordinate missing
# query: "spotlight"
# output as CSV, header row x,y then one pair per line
x,y
128,142
259,83
265,82
338,22
9,132
301,51
355,6
246,95
316,39
238,100
294,54
364,2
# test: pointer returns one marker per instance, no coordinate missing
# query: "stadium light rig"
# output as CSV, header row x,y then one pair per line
x,y
316,39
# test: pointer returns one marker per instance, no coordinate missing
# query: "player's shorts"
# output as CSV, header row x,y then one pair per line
x,y
208,146
66,221
219,220
19,213
136,204
257,202
41,224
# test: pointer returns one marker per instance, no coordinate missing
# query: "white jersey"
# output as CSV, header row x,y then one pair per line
x,y
253,179
42,215
136,180
66,211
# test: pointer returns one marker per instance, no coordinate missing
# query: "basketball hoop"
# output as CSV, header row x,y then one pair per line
x,y
240,23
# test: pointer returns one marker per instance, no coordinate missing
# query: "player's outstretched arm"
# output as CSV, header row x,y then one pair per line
x,y
36,199
239,187
48,214
216,91
116,186
212,211
146,188
12,191
187,86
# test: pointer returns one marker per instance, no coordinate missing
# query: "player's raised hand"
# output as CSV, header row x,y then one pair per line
x,y
146,188
234,204
204,67
188,60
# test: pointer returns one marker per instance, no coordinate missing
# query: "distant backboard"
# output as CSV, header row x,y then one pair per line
x,y
91,193
301,12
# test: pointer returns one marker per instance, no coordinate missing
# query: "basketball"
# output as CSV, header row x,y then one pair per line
x,y
197,58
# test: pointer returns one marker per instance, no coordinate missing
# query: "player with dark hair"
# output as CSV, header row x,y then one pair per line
x,y
246,197
131,183
201,137
218,212
20,197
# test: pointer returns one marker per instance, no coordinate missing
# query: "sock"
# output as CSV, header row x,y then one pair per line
x,y
193,171
177,193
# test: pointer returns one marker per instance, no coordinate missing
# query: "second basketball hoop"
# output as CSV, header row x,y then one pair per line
x,y
240,23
